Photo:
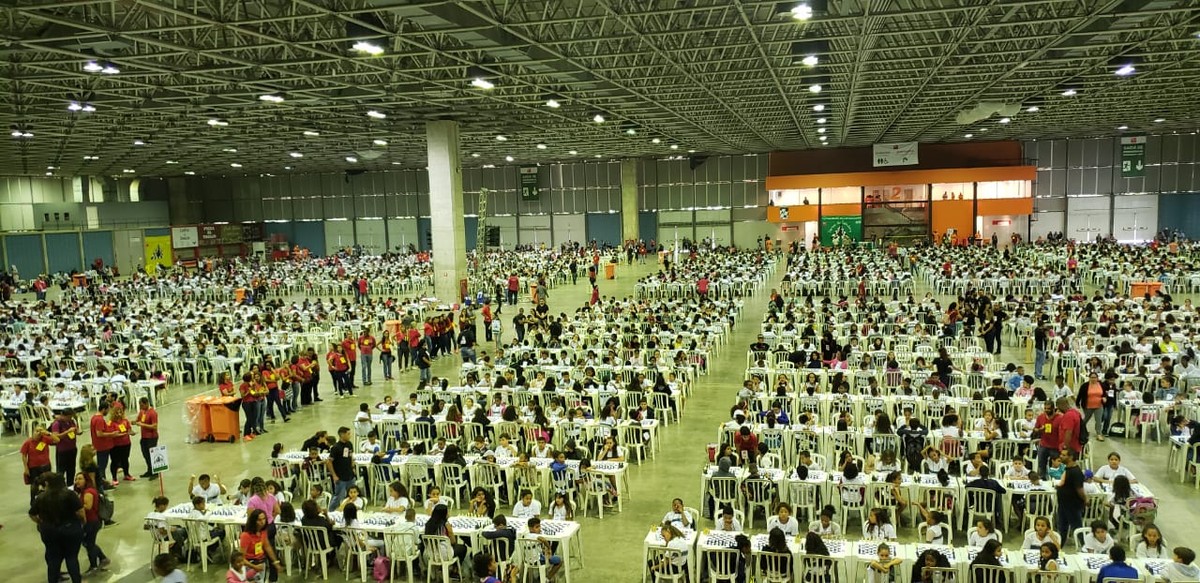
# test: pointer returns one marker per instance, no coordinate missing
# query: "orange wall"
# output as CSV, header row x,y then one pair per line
x,y
955,214
1005,206
796,214
841,210
998,174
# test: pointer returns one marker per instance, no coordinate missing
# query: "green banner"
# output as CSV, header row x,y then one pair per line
x,y
840,231
1133,156
529,183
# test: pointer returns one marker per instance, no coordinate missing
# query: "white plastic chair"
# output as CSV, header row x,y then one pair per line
x,y
200,539
439,554
315,542
402,548
722,565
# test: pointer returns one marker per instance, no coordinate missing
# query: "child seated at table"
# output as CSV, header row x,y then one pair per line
x,y
934,462
983,532
884,568
1181,568
937,532
1098,540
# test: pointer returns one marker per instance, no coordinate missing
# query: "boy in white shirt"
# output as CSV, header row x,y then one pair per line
x,y
1098,541
542,449
527,507
412,408
209,489
1109,472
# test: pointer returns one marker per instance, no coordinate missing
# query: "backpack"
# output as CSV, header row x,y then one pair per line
x,y
105,510
381,569
1116,429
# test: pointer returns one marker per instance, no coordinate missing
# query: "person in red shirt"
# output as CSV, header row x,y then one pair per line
x,y
35,457
314,374
147,421
362,290
349,349
387,354
225,386
1046,429
702,287
414,343
89,496
366,346
121,429
102,441
486,312
339,365
66,430
274,394
250,406
514,285
1070,426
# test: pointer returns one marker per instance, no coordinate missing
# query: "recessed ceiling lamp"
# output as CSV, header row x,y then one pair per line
x,y
501,138
819,107
103,67
598,117
311,133
235,165
814,88
351,159
508,158
139,143
802,11
379,142
367,48
375,114
271,97
217,122
541,146
296,154
1005,119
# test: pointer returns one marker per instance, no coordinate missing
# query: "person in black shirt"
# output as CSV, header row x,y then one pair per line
x,y
341,466
760,345
319,441
59,515
1071,497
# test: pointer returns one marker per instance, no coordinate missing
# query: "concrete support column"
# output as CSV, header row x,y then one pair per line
x,y
446,210
629,200
177,202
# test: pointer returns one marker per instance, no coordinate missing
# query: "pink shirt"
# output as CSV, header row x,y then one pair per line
x,y
266,503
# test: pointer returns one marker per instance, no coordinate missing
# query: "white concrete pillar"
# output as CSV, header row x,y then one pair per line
x,y
446,210
629,199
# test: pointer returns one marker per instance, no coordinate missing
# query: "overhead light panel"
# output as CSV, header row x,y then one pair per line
x,y
379,142
541,146
1125,70
674,146
1033,109
819,107
189,172
815,88
508,158
351,159
217,122
139,143
1159,119
172,162
572,152
969,136
375,114
802,11
102,67
1005,119
501,138
271,98
84,107
481,83
480,78
91,157
129,171
311,133
475,154
808,52
655,141
367,47
1122,127
553,103
821,120
229,150
810,61
19,132
820,130
1069,93
296,154
235,165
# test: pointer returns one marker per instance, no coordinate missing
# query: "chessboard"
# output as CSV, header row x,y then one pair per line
x,y
1095,562
974,552
947,552
721,539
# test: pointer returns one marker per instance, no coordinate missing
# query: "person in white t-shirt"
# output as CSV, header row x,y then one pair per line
x,y
824,525
397,500
678,515
209,488
1114,468
1098,541
527,507
784,521
982,533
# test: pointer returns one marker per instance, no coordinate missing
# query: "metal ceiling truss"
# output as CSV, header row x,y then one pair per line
x,y
713,76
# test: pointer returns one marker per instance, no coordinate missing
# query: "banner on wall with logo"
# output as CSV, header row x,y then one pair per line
x,y
841,231
896,154
529,183
185,237
158,252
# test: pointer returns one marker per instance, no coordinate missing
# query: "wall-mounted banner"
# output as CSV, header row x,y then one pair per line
x,y
840,231
185,237
529,183
897,154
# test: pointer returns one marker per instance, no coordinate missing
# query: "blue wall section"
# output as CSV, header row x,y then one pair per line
x,y
471,235
647,225
62,251
287,230
423,229
98,245
311,236
159,232
604,228
25,251
1180,211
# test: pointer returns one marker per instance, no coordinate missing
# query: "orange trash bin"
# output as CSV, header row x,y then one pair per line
x,y
533,292
224,418
201,426
610,271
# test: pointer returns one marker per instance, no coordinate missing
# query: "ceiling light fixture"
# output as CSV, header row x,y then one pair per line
x,y
553,103
379,142
814,88
351,159
1070,93
969,136
1033,108
93,67
823,138
1122,127
1125,70
1159,119
229,150
129,171
541,146
91,157
572,152
820,130
691,151
103,67
19,132
598,118
674,146
810,61
821,120
819,107
1005,119
481,83
802,11
595,155
271,97
475,154
236,165
172,162
139,143
367,48
217,122
508,158
189,172
489,165
311,133
296,154
287,167
501,138
655,141
376,114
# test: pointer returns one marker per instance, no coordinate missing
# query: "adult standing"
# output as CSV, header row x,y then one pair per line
x,y
386,355
1091,399
339,365
514,285
313,367
1071,427
90,498
66,450
944,366
519,323
121,430
59,516
35,457
1041,341
414,343
424,362
147,421
1046,428
366,346
350,350
486,312
1071,497
249,408
341,467
101,440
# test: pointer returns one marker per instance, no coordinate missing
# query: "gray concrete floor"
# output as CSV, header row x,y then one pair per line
x,y
612,547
